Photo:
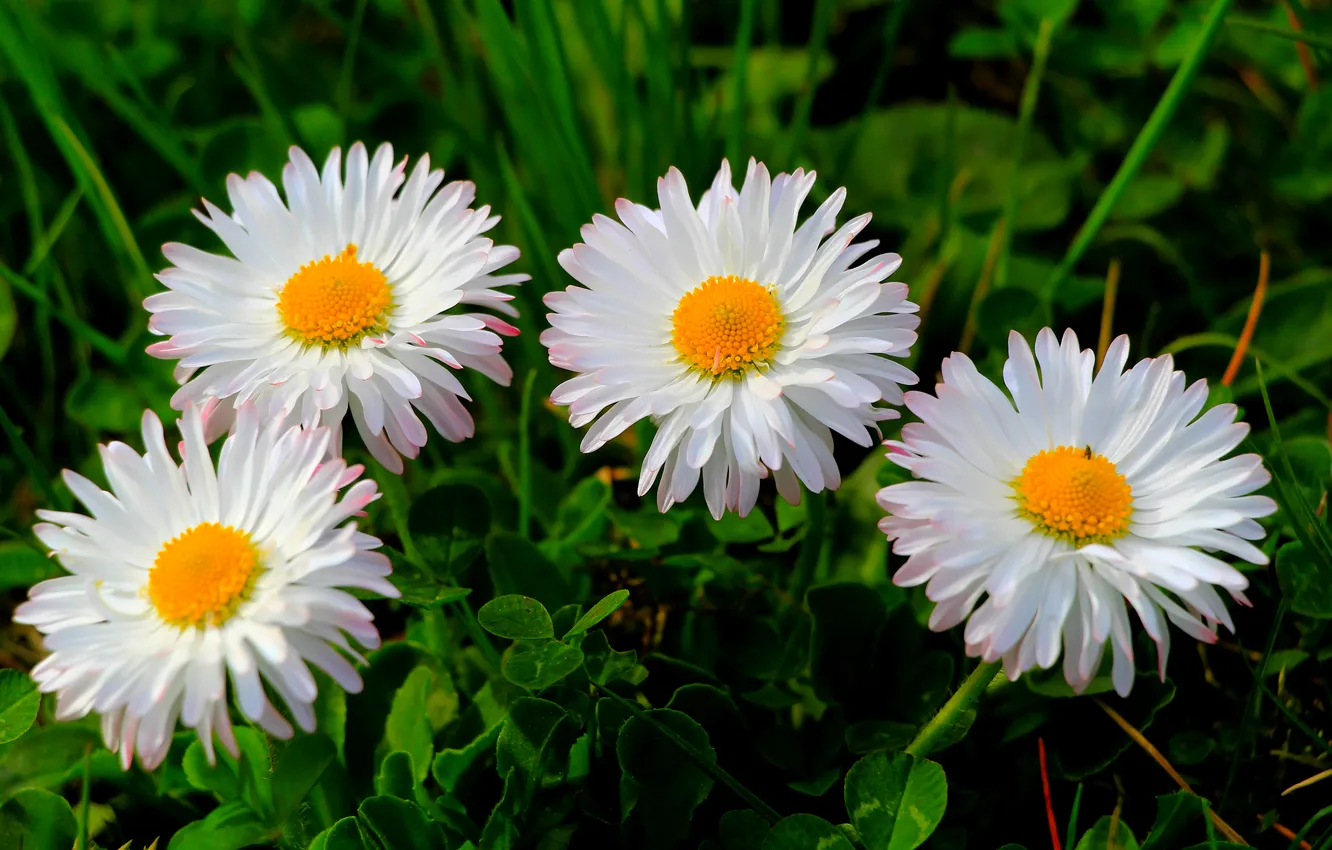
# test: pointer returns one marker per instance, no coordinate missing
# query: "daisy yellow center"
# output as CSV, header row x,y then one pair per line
x,y
726,325
201,576
1074,495
334,301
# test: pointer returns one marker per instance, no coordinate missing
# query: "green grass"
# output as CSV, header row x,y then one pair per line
x,y
760,659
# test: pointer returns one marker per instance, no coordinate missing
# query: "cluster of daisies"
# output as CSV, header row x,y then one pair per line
x,y
747,337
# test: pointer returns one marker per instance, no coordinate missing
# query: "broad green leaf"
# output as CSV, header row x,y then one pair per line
x,y
806,832
23,566
540,665
1191,747
1306,580
408,725
661,788
518,567
104,402
449,524
895,800
646,527
608,605
368,711
529,741
418,588
602,663
1174,813
45,757
37,819
1148,195
220,777
343,835
397,776
516,618
731,528
231,826
743,829
978,43
1108,833
19,702
1051,683
299,766
399,824
449,765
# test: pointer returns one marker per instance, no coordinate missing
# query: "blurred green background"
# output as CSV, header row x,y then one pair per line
x,y
979,137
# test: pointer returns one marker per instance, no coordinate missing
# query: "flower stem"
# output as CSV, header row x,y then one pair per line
x,y
930,735
690,752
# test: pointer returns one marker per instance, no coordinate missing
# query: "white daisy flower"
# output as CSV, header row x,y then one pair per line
x,y
1076,495
745,338
337,299
185,574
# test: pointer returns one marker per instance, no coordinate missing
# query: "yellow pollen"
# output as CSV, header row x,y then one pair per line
x,y
335,301
1074,495
727,325
203,575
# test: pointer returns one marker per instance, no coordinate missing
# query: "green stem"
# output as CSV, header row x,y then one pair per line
x,y
1310,39
1030,91
735,142
942,722
1142,146
816,522
477,634
525,456
710,768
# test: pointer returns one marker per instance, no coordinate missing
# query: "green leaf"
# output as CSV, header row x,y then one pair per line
x,y
1148,195
518,567
1306,580
528,736
660,788
847,621
731,528
231,826
37,819
45,757
1051,683
818,785
603,663
419,588
1174,813
895,800
516,618
977,43
449,524
220,777
399,824
8,317
743,829
806,832
343,835
1108,833
299,766
608,605
23,566
397,776
540,665
648,528
19,702
318,125
104,402
449,765
1011,308
408,725
1191,747
872,736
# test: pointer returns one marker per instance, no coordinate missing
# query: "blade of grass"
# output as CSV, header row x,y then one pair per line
x,y
1071,836
1250,321
690,752
818,38
343,98
892,27
1312,533
1320,41
525,456
1107,310
48,237
1142,146
1031,90
107,347
1281,370
1251,704
35,470
735,140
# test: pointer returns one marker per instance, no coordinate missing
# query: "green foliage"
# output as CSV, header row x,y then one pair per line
x,y
567,667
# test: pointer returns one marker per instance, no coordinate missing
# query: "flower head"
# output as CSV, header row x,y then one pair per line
x,y
1080,494
339,300
185,575
747,339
